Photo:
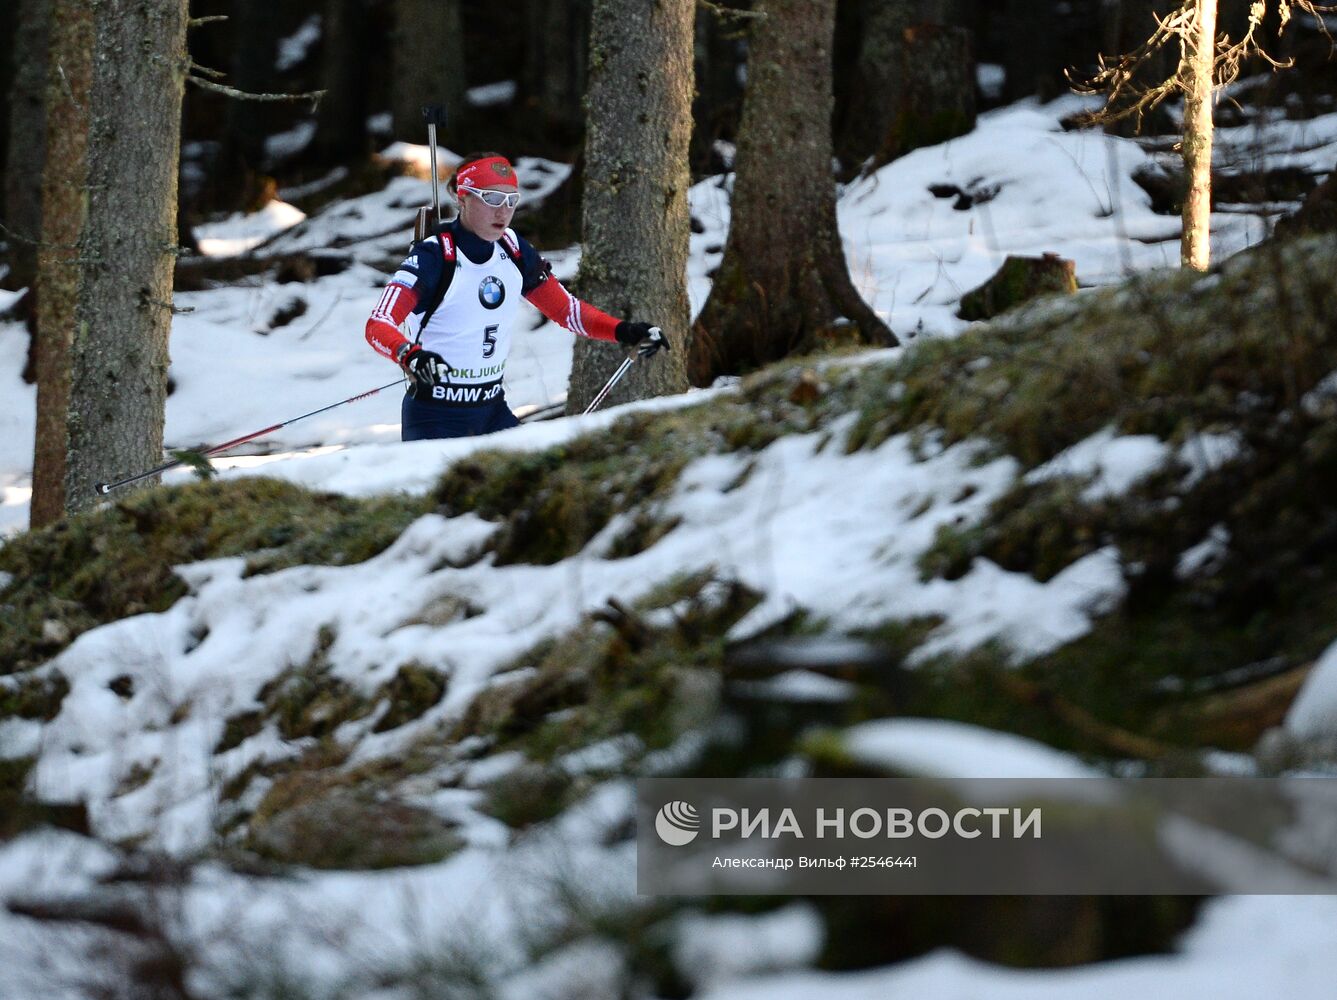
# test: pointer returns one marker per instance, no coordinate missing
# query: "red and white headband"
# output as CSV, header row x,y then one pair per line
x,y
493,172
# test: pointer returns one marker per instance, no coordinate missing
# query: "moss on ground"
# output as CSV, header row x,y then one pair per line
x,y
551,503
1170,354
411,692
332,820
34,697
117,561
650,673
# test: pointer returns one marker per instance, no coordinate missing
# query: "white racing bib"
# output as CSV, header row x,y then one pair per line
x,y
471,328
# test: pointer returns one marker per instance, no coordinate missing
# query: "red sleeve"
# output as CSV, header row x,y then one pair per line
x,y
565,309
383,326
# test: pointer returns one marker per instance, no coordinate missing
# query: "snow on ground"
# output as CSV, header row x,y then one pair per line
x,y
1112,463
805,517
943,748
326,927
1314,712
293,49
1242,948
1275,141
911,253
240,233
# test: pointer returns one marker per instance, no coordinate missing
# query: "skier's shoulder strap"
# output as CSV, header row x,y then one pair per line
x,y
447,243
512,244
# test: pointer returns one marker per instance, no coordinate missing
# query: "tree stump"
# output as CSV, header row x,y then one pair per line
x,y
1019,280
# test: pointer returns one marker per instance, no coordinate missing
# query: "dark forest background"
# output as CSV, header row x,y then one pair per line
x,y
378,61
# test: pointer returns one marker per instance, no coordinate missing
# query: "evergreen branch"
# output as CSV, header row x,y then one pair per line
x,y
196,460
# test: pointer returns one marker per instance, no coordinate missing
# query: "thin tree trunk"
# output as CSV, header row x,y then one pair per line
x,y
117,351
719,92
1199,54
64,215
636,224
1030,57
26,147
877,82
341,118
428,56
239,182
783,284
557,65
10,54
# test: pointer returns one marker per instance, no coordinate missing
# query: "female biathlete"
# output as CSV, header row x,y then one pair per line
x,y
465,284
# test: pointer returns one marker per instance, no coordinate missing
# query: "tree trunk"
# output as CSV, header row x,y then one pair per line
x,y
636,223
26,149
428,57
64,216
876,82
119,282
937,92
783,284
912,85
1031,60
719,92
1199,50
557,66
239,184
9,54
341,119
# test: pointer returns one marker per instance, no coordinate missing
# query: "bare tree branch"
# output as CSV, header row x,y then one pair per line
x,y
313,96
1126,98
730,12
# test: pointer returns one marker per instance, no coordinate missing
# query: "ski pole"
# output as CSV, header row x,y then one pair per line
x,y
608,386
102,489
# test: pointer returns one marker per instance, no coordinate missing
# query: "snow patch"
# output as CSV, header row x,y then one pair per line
x,y
1314,711
490,95
242,232
1114,464
294,48
715,949
1204,556
939,748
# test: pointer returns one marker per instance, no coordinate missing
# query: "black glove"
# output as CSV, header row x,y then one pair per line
x,y
427,368
645,338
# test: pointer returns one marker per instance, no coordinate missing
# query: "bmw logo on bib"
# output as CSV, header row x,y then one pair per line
x,y
491,292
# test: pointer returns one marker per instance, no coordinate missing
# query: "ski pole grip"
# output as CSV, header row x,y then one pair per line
x,y
434,114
